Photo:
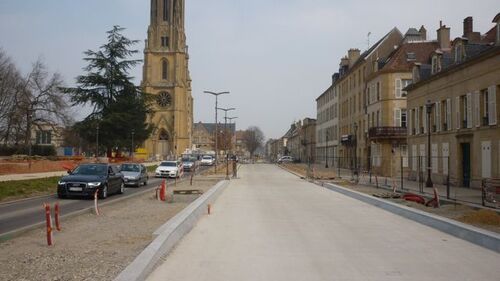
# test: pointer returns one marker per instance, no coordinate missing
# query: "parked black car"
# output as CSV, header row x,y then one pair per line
x,y
86,178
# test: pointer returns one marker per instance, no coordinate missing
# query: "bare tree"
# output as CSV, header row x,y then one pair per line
x,y
10,84
29,102
42,101
253,139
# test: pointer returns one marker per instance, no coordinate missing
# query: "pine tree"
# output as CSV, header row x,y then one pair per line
x,y
119,107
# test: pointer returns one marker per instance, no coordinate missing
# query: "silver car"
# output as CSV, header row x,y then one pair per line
x,y
134,174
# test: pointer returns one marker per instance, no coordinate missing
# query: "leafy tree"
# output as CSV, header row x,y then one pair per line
x,y
253,139
119,107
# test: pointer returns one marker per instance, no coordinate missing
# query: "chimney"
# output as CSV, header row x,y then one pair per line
x,y
443,36
353,55
468,27
423,33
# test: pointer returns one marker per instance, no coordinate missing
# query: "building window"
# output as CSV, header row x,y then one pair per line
x,y
166,10
43,137
164,41
403,118
164,69
378,91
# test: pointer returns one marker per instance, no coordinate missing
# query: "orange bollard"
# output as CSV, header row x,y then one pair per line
x,y
48,220
163,191
209,208
56,216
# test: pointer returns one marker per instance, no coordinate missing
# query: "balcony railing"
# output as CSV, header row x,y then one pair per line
x,y
387,132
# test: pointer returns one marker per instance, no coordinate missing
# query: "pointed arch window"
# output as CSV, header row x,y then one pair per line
x,y
166,10
164,69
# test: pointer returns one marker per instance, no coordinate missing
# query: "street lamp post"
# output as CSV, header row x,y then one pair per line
x,y
225,138
216,105
428,108
132,148
326,148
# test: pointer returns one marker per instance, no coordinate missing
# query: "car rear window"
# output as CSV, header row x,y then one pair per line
x,y
168,164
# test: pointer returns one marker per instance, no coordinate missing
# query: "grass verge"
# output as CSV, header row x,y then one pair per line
x,y
10,190
151,169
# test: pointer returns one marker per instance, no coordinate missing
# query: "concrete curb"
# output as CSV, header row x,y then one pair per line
x,y
169,234
480,237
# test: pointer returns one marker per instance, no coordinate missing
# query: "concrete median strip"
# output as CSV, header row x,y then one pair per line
x,y
480,237
169,234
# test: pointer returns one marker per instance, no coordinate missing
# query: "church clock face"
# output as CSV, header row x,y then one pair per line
x,y
164,99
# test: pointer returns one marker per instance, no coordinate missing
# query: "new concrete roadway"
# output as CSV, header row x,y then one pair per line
x,y
23,213
270,225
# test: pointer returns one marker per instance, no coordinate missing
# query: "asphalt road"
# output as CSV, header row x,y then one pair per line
x,y
270,225
23,213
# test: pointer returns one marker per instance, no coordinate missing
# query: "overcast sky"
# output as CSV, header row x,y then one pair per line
x,y
275,56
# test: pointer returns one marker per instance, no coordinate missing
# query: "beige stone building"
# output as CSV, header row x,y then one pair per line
x,y
386,113
166,76
301,144
353,126
327,124
204,136
460,87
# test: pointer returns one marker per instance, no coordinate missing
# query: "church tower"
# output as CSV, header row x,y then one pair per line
x,y
166,76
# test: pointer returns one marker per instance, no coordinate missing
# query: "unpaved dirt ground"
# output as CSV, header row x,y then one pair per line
x,y
485,219
91,247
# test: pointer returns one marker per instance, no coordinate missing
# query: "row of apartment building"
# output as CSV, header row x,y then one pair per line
x,y
383,104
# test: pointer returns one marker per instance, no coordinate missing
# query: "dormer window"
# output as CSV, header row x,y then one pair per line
x,y
458,53
436,64
411,56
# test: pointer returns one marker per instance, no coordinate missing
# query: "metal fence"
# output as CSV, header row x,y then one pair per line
x,y
409,174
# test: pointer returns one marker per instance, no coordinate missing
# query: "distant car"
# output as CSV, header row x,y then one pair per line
x,y
170,169
234,158
285,159
134,174
188,163
207,160
85,179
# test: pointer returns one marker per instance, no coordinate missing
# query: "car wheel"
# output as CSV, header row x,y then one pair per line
x,y
61,196
104,192
146,182
122,188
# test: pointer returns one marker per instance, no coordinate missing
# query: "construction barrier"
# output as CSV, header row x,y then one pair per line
x,y
56,216
96,206
48,220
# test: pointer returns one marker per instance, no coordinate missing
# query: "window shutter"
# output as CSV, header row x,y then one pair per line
x,y
410,125
477,113
424,115
397,117
438,116
417,121
448,114
492,105
469,110
457,110
398,88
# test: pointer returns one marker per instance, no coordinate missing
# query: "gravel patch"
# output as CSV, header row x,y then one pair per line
x,y
93,247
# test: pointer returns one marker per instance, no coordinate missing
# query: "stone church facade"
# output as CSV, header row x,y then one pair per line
x,y
166,76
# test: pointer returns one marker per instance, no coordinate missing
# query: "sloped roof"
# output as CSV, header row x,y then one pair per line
x,y
420,52
210,127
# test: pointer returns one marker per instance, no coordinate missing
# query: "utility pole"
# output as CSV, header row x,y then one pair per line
x,y
225,137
